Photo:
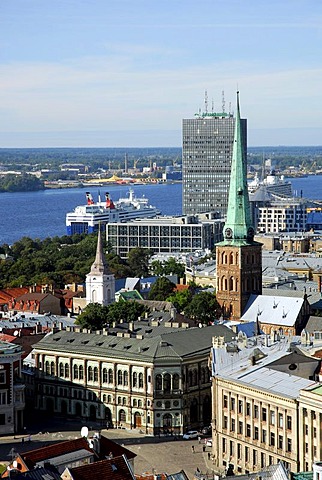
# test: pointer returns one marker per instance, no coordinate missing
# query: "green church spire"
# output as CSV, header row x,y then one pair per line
x,y
238,227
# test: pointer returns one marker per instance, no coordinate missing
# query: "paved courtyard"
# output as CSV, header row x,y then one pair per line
x,y
154,454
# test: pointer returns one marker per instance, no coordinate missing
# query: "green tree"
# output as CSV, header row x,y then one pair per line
x,y
172,267
161,289
127,311
138,261
181,299
203,308
94,317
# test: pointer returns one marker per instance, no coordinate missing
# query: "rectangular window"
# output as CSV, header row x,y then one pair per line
x,y
232,404
280,441
255,411
256,434
231,448
247,454
2,377
225,401
240,428
272,439
248,430
255,458
225,423
224,445
263,460
239,451
289,422
240,406
272,417
264,414
232,425
247,409
280,420
306,428
289,445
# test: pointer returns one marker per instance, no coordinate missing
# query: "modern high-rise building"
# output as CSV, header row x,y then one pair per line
x,y
207,147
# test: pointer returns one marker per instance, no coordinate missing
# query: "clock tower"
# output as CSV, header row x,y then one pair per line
x,y
238,256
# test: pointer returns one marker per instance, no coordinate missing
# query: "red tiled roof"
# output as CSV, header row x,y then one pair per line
x,y
115,468
180,288
61,448
7,338
9,293
108,446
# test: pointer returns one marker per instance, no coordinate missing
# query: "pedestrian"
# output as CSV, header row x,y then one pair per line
x,y
192,449
209,455
22,440
204,448
199,439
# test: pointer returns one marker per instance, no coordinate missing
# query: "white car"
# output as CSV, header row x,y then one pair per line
x,y
208,442
191,434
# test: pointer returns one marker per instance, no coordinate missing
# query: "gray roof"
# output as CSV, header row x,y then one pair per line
x,y
314,324
280,311
31,320
180,343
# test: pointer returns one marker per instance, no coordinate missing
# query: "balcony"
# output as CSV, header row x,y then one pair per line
x,y
167,393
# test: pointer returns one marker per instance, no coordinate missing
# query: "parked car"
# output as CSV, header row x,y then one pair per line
x,y
191,434
206,430
208,442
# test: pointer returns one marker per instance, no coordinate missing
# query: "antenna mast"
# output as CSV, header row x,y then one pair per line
x,y
206,101
223,101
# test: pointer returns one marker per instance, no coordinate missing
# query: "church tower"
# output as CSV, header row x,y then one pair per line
x,y
100,283
238,256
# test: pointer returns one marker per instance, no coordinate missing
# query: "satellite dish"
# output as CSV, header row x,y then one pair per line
x,y
84,432
16,333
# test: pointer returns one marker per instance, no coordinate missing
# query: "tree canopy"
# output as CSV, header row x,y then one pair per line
x,y
203,308
161,289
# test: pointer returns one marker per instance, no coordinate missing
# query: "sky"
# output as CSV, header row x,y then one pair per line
x,y
124,73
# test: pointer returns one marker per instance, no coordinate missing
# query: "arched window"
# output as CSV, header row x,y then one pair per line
x,y
122,416
236,285
135,379
158,382
124,400
119,400
61,369
110,375
75,370
109,398
81,372
120,377
104,398
90,375
167,383
135,402
139,403
66,370
52,368
231,283
105,378
237,258
175,381
95,374
231,258
140,380
126,379
47,368
225,284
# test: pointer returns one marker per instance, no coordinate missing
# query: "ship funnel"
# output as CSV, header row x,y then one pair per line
x,y
109,202
89,199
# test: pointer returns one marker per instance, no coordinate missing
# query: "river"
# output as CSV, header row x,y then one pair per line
x,y
42,214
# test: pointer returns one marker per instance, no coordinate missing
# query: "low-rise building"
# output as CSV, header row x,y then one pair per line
x,y
257,419
152,377
166,234
12,401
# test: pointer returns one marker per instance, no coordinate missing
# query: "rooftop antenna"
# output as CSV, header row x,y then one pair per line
x,y
223,101
206,101
229,108
212,106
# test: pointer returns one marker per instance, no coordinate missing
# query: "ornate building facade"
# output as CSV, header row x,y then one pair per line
x,y
156,381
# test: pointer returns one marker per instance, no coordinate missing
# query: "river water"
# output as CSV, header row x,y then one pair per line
x,y
42,214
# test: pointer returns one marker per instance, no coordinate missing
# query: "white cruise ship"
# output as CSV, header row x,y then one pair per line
x,y
87,218
274,184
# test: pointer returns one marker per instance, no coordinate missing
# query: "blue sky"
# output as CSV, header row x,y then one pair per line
x,y
126,72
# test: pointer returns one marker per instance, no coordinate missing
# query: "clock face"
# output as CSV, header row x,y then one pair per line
x,y
228,233
250,232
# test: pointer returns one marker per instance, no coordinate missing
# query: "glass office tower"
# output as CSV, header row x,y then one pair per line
x,y
206,160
